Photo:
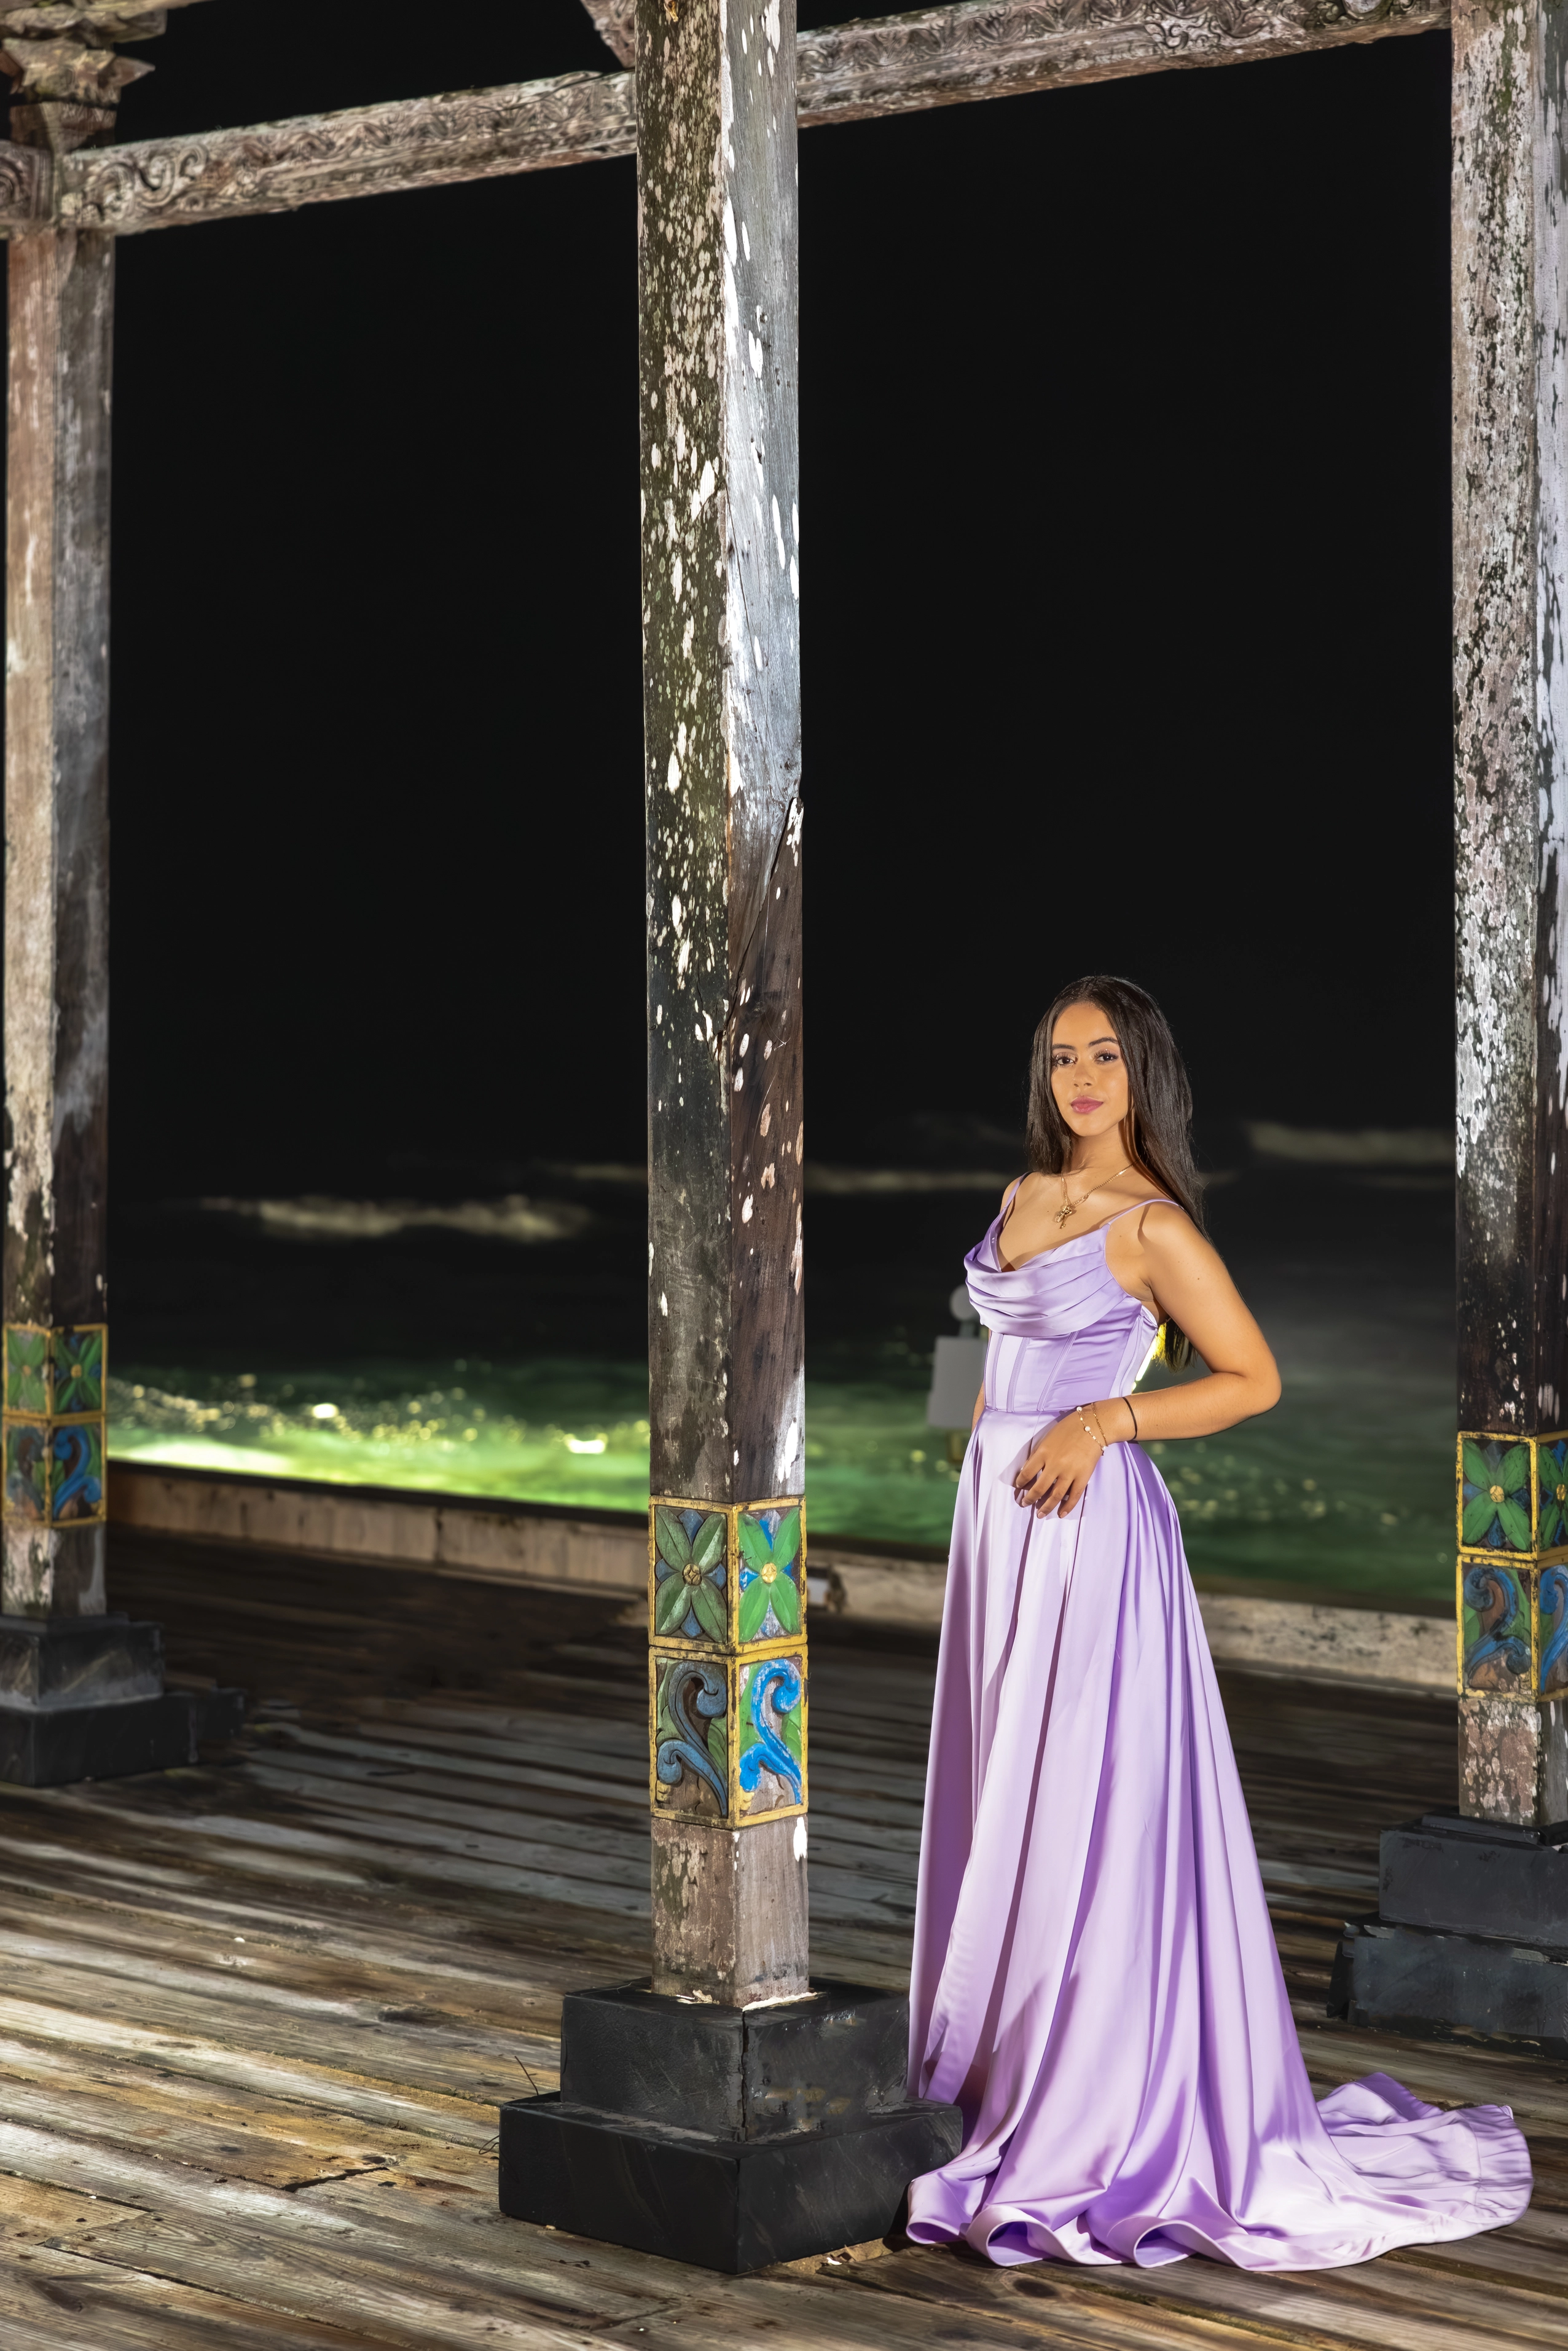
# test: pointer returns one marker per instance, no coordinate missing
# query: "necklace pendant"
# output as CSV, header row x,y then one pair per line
x,y
1064,1212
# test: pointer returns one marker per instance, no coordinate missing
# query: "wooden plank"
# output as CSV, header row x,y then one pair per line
x,y
186,2042
1375,2304
293,2138
231,2068
54,2297
870,67
131,2117
325,2267
31,2213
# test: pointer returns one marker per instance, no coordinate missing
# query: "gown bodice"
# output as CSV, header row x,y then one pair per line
x,y
1062,1328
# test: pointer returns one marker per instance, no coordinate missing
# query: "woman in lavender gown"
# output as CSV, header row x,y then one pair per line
x,y
1096,1980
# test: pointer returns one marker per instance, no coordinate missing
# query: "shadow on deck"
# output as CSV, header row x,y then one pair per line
x,y
255,2018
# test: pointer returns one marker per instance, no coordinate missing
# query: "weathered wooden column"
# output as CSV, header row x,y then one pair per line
x,y
721,666
61,304
81,1692
1473,1901
730,2112
1511,718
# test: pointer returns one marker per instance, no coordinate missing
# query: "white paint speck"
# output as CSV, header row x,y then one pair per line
x,y
799,1836
746,1208
663,1303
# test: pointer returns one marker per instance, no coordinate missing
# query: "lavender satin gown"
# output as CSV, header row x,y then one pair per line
x,y
1096,1980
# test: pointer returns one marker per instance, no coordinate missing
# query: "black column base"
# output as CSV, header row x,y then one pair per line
x,y
729,2139
82,1697
1472,1935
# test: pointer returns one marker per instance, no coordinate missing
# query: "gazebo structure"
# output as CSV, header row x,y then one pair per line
x,y
702,2098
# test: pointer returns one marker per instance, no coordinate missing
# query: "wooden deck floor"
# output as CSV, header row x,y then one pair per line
x,y
255,2018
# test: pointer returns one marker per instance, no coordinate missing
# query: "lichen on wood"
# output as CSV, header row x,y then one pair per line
x,y
1511,714
61,290
721,556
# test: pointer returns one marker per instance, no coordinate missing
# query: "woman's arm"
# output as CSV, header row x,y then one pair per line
x,y
1170,1266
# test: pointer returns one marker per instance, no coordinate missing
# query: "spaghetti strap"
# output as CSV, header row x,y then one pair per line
x,y
1010,1204
1160,1200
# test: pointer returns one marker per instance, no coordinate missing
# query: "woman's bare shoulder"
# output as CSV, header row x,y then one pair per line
x,y
1166,1230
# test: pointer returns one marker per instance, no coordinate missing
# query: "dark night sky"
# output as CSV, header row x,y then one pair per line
x,y
1125,423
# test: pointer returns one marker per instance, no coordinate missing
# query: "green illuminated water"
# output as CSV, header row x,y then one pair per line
x,y
1349,1482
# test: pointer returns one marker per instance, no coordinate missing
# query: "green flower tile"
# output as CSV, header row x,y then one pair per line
x,y
78,1370
1494,1495
771,1591
27,1369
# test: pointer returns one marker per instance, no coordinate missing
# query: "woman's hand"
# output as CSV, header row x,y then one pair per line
x,y
1058,1471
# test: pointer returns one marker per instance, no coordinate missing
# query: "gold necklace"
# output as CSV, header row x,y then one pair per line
x,y
1070,1207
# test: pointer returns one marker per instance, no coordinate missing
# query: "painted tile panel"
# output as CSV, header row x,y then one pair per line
x,y
691,1573
771,1733
771,1566
691,1711
1495,1485
1551,1632
1495,1631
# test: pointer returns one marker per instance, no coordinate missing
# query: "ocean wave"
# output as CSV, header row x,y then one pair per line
x,y
1372,1146
852,1182
624,1173
317,1218
846,1182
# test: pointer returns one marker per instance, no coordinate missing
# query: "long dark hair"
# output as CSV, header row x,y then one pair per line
x,y
1158,1131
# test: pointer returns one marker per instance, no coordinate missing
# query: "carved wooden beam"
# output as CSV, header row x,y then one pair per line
x,y
874,65
96,20
369,151
615,22
946,57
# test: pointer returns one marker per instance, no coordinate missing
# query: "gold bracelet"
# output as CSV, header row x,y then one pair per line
x,y
1084,1417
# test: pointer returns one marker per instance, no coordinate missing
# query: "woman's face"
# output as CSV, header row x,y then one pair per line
x,y
1088,1074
